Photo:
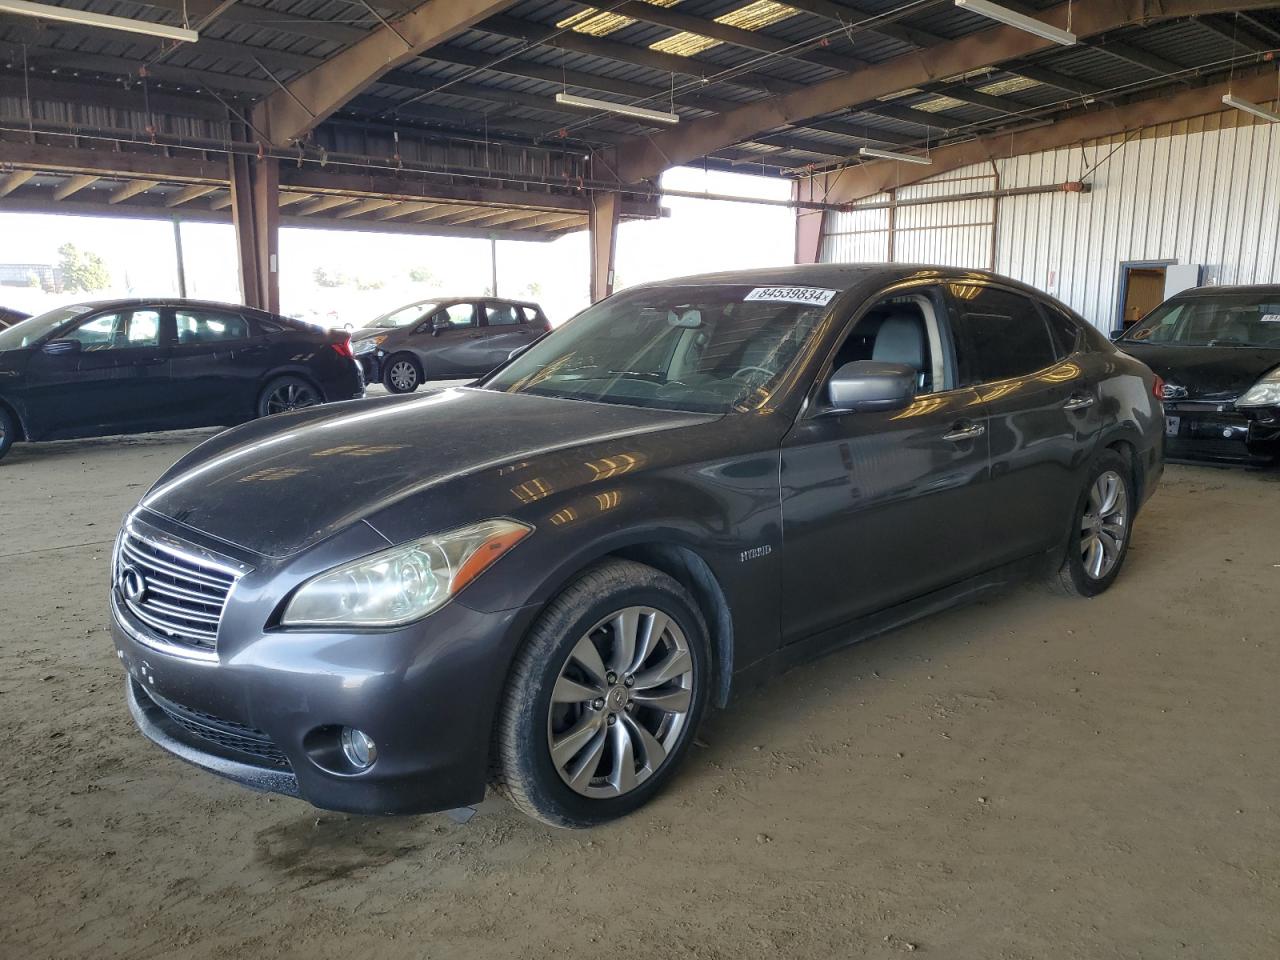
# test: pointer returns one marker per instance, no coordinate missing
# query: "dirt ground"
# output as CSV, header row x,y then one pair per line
x,y
1029,777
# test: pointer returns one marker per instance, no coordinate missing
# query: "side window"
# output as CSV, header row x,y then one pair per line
x,y
116,331
501,315
533,316
458,315
1001,334
1064,330
98,333
206,326
902,329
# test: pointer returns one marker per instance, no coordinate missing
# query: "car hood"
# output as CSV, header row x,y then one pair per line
x,y
1207,373
280,485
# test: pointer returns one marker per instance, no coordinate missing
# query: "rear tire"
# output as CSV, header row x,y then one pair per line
x,y
604,697
8,431
401,373
1101,528
287,393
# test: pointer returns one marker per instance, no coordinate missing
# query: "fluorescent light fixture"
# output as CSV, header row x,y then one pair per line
x,y
1249,107
608,106
89,19
890,155
994,11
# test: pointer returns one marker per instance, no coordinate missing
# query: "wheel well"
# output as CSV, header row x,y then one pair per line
x,y
1130,454
691,572
22,430
276,375
413,358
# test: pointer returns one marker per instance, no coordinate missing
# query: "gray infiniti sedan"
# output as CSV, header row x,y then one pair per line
x,y
552,574
445,339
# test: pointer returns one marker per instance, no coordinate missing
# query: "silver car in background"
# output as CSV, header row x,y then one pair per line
x,y
445,338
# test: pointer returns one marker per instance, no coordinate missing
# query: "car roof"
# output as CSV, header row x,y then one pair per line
x,y
842,276
1258,289
132,303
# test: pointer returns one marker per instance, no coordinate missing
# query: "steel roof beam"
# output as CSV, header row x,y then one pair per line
x,y
14,180
289,114
131,189
867,179
647,158
1230,29
73,185
262,18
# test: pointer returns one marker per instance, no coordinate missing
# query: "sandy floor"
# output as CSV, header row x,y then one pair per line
x,y
1031,777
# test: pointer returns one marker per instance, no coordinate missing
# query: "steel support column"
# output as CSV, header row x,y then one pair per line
x,y
255,212
603,224
809,224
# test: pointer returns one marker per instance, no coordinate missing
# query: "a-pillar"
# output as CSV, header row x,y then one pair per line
x,y
809,223
255,211
603,223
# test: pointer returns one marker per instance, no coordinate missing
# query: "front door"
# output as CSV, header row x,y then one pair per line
x,y
883,507
1041,406
450,343
117,381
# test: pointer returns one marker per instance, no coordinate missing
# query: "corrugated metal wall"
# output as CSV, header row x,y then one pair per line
x,y
1204,191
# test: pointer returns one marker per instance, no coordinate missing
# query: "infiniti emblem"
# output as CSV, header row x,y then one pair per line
x,y
132,584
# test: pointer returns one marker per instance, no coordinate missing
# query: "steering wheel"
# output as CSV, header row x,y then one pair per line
x,y
739,372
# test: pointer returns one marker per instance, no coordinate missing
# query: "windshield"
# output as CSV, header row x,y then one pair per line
x,y
31,330
706,349
1232,320
403,316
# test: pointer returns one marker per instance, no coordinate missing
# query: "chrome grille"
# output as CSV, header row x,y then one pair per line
x,y
178,594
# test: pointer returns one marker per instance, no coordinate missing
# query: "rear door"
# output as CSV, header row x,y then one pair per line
x,y
118,381
506,328
216,365
1041,410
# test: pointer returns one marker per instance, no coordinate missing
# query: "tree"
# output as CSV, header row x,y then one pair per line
x,y
422,275
324,278
81,270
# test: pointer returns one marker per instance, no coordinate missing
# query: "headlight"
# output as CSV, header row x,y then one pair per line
x,y
367,346
1264,393
405,583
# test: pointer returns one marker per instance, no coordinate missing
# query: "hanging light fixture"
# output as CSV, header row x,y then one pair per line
x,y
890,155
1249,107
1039,28
624,109
87,18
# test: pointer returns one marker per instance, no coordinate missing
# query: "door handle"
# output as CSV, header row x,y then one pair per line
x,y
1079,401
964,431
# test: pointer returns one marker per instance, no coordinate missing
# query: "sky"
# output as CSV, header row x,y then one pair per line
x,y
373,270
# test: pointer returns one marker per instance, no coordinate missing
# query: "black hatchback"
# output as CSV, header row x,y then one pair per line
x,y
130,366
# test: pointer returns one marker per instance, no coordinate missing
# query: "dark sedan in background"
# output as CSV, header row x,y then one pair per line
x,y
445,339
550,575
129,366
1218,351
9,317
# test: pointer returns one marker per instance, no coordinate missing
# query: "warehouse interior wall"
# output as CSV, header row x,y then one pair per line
x,y
1203,192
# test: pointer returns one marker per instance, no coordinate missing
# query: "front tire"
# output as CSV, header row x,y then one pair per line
x,y
401,374
8,431
1101,529
604,697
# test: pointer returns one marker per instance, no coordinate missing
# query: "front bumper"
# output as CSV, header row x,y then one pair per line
x,y
264,715
1217,431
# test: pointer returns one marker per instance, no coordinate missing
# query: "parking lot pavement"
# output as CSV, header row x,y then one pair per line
x,y
1027,777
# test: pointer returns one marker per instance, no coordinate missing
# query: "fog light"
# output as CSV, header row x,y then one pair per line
x,y
358,748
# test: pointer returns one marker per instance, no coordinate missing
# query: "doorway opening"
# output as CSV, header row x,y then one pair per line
x,y
1141,290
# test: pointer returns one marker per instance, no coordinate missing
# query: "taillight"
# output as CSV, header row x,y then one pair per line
x,y
343,347
1157,387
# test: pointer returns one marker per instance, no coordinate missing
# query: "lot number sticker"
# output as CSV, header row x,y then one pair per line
x,y
814,296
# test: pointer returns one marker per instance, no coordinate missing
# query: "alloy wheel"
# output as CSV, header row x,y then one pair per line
x,y
1104,525
291,396
403,375
620,703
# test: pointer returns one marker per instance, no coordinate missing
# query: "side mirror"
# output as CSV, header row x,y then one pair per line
x,y
872,385
58,347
